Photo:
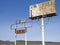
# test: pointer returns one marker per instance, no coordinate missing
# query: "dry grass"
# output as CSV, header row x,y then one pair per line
x,y
29,43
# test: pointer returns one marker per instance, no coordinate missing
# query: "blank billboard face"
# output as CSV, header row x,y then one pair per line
x,y
45,9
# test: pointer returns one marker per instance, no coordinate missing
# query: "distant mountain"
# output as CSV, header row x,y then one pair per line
x,y
20,42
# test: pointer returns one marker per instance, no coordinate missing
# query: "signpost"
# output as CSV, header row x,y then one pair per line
x,y
20,31
43,10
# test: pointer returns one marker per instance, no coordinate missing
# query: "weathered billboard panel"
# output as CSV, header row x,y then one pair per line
x,y
46,9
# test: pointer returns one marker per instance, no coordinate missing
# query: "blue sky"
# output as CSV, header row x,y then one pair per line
x,y
12,10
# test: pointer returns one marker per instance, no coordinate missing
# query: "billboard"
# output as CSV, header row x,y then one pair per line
x,y
20,31
46,9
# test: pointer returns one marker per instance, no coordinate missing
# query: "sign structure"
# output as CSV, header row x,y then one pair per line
x,y
46,9
22,30
43,10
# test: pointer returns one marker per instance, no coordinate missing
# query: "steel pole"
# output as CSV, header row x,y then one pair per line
x,y
15,39
15,34
43,43
25,38
25,35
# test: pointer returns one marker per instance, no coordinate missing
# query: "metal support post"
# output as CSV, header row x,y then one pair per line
x,y
25,38
25,35
15,34
43,43
15,39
